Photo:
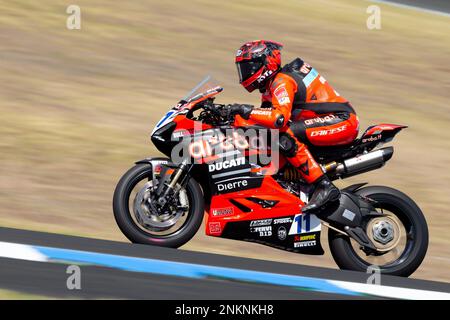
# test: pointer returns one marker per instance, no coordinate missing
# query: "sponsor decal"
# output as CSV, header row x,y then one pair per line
x,y
312,75
260,112
228,142
305,244
381,128
180,134
227,164
371,139
282,233
305,238
312,121
200,149
232,185
158,166
282,220
214,227
305,68
282,95
257,223
216,144
263,77
223,211
284,100
156,162
236,183
329,131
262,231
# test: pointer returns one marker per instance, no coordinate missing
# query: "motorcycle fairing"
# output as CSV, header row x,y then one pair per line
x,y
276,232
380,133
234,215
241,193
371,138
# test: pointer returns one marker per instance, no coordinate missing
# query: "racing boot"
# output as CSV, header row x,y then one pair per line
x,y
325,192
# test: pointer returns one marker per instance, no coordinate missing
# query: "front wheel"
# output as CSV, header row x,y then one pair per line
x,y
400,236
142,222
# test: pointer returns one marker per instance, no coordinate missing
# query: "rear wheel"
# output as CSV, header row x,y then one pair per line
x,y
400,236
142,222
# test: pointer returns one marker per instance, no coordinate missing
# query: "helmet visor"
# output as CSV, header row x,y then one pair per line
x,y
246,69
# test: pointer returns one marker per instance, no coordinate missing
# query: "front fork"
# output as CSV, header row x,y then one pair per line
x,y
180,175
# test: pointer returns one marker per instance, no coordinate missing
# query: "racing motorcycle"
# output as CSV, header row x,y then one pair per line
x,y
212,169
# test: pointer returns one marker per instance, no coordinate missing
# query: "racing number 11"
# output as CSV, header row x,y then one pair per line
x,y
299,219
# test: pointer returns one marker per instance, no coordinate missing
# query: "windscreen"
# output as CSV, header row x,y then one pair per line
x,y
208,83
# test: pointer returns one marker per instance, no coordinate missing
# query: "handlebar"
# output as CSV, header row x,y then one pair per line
x,y
214,113
219,110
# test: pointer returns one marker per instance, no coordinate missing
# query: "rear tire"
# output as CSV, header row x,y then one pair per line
x,y
408,212
136,234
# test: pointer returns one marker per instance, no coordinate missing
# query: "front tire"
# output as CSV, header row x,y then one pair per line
x,y
416,231
137,234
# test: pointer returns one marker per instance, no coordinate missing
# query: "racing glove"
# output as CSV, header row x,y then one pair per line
x,y
244,110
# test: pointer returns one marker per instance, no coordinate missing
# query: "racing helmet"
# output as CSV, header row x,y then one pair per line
x,y
257,62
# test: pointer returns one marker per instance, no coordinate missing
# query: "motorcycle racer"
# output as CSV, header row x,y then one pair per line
x,y
162,200
299,102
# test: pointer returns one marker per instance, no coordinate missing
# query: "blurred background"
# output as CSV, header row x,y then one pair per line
x,y
77,106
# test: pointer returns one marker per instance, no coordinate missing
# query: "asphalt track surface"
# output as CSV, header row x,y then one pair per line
x,y
435,5
49,279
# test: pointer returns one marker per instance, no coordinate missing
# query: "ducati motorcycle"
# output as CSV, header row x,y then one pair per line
x,y
163,202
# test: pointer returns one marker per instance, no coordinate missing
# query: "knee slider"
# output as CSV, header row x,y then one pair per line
x,y
287,145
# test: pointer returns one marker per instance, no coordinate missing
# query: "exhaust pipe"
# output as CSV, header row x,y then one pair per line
x,y
360,164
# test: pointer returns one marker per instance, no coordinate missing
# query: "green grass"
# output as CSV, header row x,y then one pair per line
x,y
14,295
77,106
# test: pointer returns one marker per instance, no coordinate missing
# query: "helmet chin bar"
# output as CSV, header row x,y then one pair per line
x,y
263,84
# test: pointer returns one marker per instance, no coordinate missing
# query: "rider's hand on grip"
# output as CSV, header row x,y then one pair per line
x,y
243,110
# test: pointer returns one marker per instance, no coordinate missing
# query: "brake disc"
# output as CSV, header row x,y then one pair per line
x,y
145,212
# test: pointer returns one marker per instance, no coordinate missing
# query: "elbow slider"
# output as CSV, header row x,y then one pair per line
x,y
279,122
